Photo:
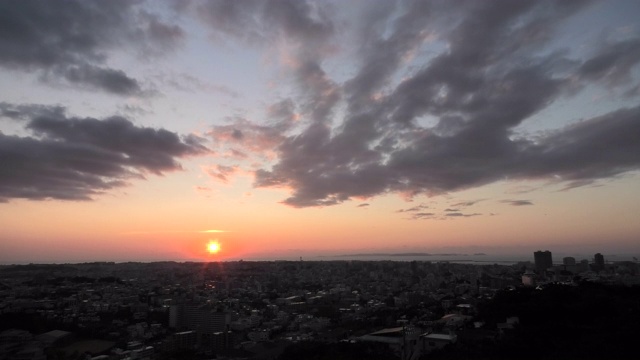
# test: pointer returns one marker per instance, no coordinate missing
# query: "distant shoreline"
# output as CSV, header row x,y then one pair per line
x,y
405,254
463,258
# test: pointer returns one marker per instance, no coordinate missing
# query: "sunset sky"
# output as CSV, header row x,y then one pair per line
x,y
145,130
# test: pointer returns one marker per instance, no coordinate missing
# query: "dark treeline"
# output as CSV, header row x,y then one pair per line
x,y
589,321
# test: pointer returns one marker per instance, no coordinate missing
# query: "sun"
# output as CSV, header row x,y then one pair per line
x,y
213,247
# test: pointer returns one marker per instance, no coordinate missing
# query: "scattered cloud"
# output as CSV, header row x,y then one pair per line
x,y
458,214
222,172
204,190
422,215
189,83
243,137
73,158
363,205
517,202
467,203
91,76
414,208
521,189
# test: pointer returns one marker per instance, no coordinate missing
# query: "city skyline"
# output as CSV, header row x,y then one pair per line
x,y
226,130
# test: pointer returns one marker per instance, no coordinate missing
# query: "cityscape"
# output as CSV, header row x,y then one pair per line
x,y
319,179
261,310
292,309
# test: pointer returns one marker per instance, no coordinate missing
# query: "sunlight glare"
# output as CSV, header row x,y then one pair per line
x,y
213,247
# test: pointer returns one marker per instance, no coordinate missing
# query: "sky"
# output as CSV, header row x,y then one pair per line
x,y
279,129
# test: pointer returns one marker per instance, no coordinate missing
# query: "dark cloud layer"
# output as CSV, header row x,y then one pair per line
x,y
71,40
76,158
490,78
434,102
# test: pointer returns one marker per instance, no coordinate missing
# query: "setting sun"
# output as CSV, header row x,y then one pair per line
x,y
213,247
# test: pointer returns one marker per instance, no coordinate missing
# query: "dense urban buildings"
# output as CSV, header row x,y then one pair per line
x,y
277,309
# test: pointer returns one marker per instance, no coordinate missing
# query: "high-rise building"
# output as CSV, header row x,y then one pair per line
x,y
569,264
583,266
201,318
598,262
542,260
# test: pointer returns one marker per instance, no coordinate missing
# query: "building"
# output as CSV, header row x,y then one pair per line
x,y
432,342
529,279
186,340
583,266
31,351
218,342
201,318
143,353
542,260
569,264
598,262
54,337
402,340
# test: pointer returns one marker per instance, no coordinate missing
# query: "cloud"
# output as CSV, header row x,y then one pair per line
x,y
72,158
363,205
490,68
613,63
521,189
451,210
266,22
110,80
222,172
192,84
25,112
422,215
203,189
71,41
467,203
414,208
253,138
458,214
517,202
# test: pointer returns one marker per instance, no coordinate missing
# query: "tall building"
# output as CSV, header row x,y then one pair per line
x,y
542,260
583,266
598,262
201,318
569,264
